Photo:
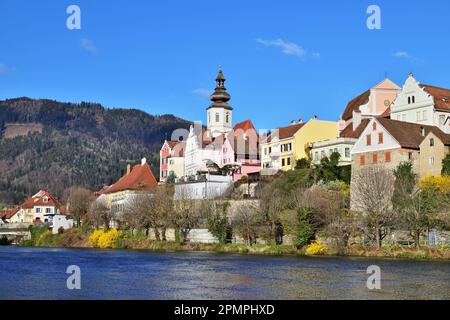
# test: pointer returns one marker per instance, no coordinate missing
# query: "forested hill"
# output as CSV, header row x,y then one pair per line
x,y
50,145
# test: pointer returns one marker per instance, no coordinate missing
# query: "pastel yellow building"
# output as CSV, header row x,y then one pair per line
x,y
286,145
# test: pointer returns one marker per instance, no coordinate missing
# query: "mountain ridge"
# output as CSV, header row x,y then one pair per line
x,y
52,145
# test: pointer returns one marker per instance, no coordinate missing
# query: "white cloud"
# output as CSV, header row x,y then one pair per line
x,y
88,45
202,92
405,55
288,48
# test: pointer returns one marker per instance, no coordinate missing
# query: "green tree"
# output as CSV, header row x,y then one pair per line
x,y
446,165
171,178
216,216
303,163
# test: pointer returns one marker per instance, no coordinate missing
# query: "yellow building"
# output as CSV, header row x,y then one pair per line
x,y
286,145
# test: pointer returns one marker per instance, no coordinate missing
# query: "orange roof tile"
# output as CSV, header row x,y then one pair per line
x,y
354,105
441,96
140,178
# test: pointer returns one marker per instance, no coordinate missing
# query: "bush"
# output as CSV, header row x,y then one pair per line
x,y
95,236
441,183
108,239
316,248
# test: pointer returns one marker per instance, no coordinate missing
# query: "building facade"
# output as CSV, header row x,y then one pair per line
x,y
422,104
286,145
375,102
171,160
138,180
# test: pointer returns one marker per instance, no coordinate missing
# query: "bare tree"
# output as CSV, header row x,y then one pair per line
x,y
372,190
100,215
272,203
78,202
246,222
186,214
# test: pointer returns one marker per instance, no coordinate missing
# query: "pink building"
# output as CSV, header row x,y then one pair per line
x,y
240,150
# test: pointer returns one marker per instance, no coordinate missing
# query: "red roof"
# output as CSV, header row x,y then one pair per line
x,y
140,178
244,126
441,96
354,105
172,143
285,132
8,214
42,198
348,132
410,135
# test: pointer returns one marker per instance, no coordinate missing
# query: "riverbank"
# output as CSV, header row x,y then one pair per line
x,y
77,238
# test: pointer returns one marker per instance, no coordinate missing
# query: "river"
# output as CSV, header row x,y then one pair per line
x,y
40,273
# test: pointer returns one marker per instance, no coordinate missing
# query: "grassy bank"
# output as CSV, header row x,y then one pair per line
x,y
78,238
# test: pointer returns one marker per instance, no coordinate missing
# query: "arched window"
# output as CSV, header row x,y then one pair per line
x,y
217,117
228,117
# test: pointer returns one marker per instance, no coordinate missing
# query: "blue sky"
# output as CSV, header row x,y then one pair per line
x,y
283,59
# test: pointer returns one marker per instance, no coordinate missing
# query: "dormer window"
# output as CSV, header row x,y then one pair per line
x,y
45,199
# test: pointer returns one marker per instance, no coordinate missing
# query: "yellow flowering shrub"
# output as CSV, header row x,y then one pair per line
x,y
95,236
441,183
316,248
107,239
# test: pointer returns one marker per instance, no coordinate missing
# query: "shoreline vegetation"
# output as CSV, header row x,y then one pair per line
x,y
81,239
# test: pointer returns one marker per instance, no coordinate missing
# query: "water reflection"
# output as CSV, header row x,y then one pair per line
x,y
40,274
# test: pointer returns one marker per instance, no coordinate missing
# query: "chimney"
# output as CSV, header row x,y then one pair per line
x,y
143,161
356,119
300,120
293,122
128,168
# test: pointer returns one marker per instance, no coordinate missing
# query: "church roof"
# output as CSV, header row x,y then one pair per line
x,y
220,96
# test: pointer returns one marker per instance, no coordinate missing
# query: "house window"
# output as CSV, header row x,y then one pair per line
x,y
418,115
374,126
270,150
368,140
375,158
410,156
424,115
441,120
217,117
388,156
38,210
362,160
431,142
380,138
398,117
48,210
404,117
322,154
347,152
228,117
409,100
282,162
316,155
431,160
288,161
413,99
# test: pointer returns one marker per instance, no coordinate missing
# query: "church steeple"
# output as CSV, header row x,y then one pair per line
x,y
220,96
220,113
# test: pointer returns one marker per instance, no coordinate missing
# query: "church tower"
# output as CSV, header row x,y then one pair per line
x,y
220,112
